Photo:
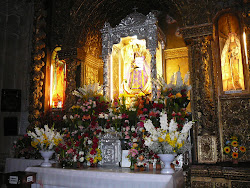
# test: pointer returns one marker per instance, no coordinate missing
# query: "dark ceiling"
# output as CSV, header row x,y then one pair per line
x,y
78,18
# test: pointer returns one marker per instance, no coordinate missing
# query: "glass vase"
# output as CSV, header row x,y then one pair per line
x,y
132,165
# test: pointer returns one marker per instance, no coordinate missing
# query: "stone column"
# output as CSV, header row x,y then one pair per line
x,y
70,100
153,72
203,98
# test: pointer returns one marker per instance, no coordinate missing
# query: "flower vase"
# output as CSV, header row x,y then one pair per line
x,y
46,155
150,166
132,165
167,159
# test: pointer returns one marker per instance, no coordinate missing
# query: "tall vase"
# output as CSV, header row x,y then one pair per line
x,y
167,159
46,155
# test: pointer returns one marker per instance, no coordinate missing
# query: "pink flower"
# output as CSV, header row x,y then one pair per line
x,y
126,132
141,124
127,137
127,128
143,118
70,151
145,109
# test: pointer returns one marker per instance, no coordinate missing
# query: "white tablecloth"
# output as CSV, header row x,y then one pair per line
x,y
104,178
16,164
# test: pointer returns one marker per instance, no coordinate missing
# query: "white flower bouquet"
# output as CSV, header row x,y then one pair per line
x,y
45,139
88,91
167,139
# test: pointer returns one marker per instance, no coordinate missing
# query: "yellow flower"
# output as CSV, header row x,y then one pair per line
x,y
161,139
178,95
34,144
234,138
234,143
179,145
227,149
235,155
99,158
242,149
75,106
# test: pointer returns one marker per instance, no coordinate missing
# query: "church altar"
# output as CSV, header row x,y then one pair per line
x,y
104,177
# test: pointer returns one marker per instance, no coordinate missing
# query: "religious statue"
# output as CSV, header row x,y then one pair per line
x,y
58,85
138,71
231,64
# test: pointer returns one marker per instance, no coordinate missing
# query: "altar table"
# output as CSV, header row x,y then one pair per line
x,y
18,164
104,178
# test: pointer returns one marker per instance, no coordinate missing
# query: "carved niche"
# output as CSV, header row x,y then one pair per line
x,y
135,24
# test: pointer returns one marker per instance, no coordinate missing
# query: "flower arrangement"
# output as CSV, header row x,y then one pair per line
x,y
87,92
45,139
71,150
167,139
233,147
22,148
175,97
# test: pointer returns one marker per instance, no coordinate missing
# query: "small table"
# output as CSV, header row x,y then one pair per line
x,y
104,178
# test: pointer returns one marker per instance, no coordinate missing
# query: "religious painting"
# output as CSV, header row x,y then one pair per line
x,y
57,80
232,70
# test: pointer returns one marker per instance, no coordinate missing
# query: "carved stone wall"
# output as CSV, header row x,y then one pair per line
x,y
235,119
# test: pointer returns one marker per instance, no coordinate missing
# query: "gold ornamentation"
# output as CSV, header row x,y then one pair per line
x,y
207,149
37,73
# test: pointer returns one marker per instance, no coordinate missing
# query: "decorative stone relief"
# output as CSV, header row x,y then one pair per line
x,y
207,149
235,119
111,149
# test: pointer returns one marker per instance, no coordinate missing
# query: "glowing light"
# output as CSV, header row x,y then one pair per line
x,y
51,84
245,46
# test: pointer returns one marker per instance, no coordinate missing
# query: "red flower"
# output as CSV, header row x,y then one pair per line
x,y
77,144
91,160
173,114
79,137
93,152
86,134
95,140
98,131
170,94
134,135
95,145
